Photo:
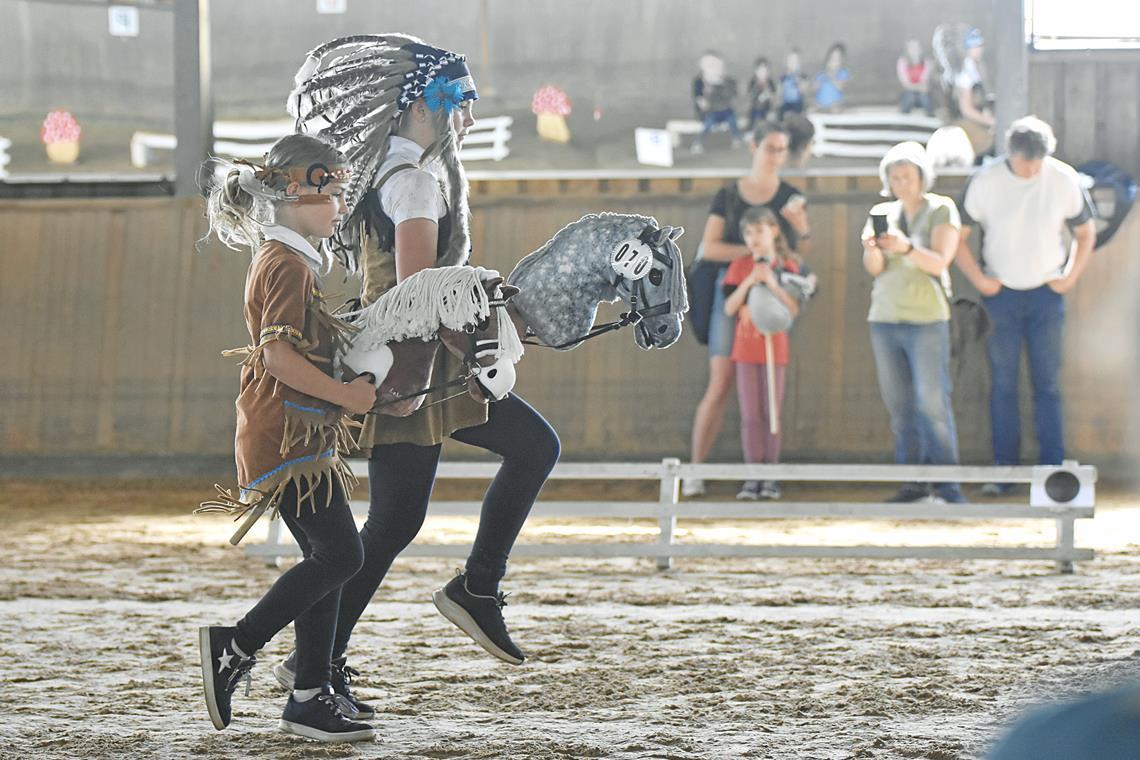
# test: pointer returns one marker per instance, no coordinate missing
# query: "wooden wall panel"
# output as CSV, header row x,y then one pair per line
x,y
114,324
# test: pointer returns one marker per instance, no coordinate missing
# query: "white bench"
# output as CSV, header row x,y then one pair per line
x,y
678,127
252,139
5,144
868,133
487,139
669,508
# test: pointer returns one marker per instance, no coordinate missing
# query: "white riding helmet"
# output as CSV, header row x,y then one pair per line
x,y
632,259
377,361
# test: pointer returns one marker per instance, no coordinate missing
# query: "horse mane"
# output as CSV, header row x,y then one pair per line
x,y
678,293
450,297
433,298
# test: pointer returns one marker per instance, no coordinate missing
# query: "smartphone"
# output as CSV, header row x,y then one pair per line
x,y
879,224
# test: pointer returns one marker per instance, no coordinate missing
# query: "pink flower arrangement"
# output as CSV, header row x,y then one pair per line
x,y
60,127
550,99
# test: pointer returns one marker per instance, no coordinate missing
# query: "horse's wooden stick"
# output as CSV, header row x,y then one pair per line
x,y
246,524
770,366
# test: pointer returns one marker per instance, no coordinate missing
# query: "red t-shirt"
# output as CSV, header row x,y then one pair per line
x,y
748,344
915,72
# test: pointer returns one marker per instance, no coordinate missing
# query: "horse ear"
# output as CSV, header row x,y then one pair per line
x,y
662,235
509,292
676,232
491,284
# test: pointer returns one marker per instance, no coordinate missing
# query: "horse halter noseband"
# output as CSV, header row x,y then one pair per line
x,y
635,289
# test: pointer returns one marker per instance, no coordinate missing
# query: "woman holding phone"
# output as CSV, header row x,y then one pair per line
x,y
722,243
908,244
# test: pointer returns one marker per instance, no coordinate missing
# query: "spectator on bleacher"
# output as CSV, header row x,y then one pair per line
x,y
913,69
722,242
1024,202
801,136
793,84
971,98
713,94
910,315
830,83
761,92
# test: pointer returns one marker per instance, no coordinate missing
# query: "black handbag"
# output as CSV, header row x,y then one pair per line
x,y
700,281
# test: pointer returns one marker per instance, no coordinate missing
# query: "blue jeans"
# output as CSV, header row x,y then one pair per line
x,y
913,365
911,99
1034,319
712,118
722,328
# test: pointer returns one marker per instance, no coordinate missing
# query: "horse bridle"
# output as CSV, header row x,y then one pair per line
x,y
636,291
471,367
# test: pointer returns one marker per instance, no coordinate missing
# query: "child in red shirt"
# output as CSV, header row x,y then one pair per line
x,y
752,350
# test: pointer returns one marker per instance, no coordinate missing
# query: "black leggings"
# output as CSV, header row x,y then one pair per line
x,y
400,479
309,592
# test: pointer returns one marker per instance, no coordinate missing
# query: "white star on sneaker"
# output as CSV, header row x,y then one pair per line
x,y
224,660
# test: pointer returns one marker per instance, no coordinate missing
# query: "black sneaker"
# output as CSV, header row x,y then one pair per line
x,y
286,673
222,668
479,616
342,676
750,490
910,492
320,718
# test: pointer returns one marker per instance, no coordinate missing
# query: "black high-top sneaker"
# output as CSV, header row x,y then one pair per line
x,y
479,616
342,676
222,668
321,718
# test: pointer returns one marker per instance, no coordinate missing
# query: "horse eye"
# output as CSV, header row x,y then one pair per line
x,y
482,325
655,276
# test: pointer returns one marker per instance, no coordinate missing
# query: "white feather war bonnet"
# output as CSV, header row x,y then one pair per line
x,y
352,92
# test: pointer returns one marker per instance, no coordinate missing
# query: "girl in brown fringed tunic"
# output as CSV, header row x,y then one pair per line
x,y
291,433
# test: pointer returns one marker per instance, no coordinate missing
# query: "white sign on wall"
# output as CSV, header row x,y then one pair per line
x,y
332,6
123,20
654,146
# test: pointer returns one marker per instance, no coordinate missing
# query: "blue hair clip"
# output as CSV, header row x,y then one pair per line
x,y
441,92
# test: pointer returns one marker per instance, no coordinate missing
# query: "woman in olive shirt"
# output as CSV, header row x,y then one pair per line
x,y
910,316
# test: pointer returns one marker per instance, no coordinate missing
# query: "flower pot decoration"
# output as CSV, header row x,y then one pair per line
x,y
60,134
551,105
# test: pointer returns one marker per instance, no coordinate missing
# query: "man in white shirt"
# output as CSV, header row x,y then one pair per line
x,y
1023,202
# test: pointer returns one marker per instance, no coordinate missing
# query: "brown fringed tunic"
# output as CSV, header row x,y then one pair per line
x,y
285,436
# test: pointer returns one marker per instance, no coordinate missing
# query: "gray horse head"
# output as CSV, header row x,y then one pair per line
x,y
562,283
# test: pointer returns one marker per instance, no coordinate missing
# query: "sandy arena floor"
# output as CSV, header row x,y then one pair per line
x,y
102,588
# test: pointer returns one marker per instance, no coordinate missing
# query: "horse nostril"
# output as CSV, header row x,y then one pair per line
x,y
492,373
662,329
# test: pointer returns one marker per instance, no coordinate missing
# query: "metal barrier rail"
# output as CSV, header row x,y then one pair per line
x,y
1064,494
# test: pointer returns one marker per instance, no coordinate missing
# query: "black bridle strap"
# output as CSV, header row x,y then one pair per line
x,y
631,317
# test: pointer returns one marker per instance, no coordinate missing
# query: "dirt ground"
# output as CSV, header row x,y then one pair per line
x,y
102,587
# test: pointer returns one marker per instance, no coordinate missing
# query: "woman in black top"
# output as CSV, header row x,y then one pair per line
x,y
722,242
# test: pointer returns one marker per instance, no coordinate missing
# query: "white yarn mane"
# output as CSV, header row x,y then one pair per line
x,y
438,297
